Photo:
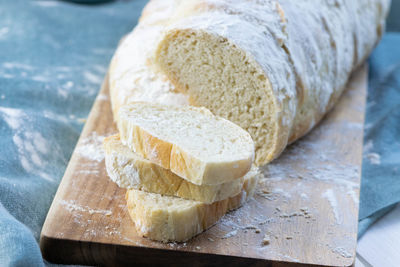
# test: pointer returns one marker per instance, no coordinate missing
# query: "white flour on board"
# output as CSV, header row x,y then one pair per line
x,y
330,196
342,252
230,234
71,206
287,195
102,97
92,147
283,195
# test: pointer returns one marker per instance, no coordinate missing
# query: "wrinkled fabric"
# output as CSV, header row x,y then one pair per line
x,y
53,57
380,184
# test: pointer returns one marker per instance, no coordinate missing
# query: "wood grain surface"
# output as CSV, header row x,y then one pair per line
x,y
304,212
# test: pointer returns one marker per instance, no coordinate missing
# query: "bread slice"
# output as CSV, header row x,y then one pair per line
x,y
275,68
234,65
272,67
193,143
129,170
165,218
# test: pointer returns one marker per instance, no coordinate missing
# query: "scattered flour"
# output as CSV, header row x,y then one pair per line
x,y
3,32
353,196
57,117
304,196
15,65
369,145
95,171
45,3
91,77
330,196
62,92
282,192
342,252
102,97
6,76
287,257
91,147
374,158
230,234
32,147
71,206
368,126
40,78
68,85
13,117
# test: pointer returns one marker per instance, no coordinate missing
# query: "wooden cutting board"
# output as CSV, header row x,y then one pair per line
x,y
305,210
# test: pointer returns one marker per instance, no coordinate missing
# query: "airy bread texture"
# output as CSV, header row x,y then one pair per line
x,y
191,142
129,170
165,218
272,67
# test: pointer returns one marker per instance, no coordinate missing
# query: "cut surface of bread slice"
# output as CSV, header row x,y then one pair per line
x,y
129,170
193,143
165,218
279,66
220,64
272,67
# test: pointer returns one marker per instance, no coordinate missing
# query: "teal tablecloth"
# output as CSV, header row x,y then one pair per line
x,y
53,57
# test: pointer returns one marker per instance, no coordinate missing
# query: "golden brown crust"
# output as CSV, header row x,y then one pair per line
x,y
172,219
173,157
360,25
129,170
164,225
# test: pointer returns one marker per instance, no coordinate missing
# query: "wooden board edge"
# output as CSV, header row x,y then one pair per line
x,y
44,235
110,255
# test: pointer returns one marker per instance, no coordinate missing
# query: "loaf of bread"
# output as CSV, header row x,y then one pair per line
x,y
165,218
191,142
274,67
130,78
129,170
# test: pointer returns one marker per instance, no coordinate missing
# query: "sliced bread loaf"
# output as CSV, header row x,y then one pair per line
x,y
273,67
165,218
193,143
129,170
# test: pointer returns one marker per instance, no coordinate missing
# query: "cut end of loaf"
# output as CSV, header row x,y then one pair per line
x,y
216,74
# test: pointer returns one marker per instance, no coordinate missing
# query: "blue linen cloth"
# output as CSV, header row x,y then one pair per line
x,y
380,184
53,57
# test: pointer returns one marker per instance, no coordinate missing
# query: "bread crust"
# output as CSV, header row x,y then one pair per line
x,y
129,170
173,157
322,46
161,222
